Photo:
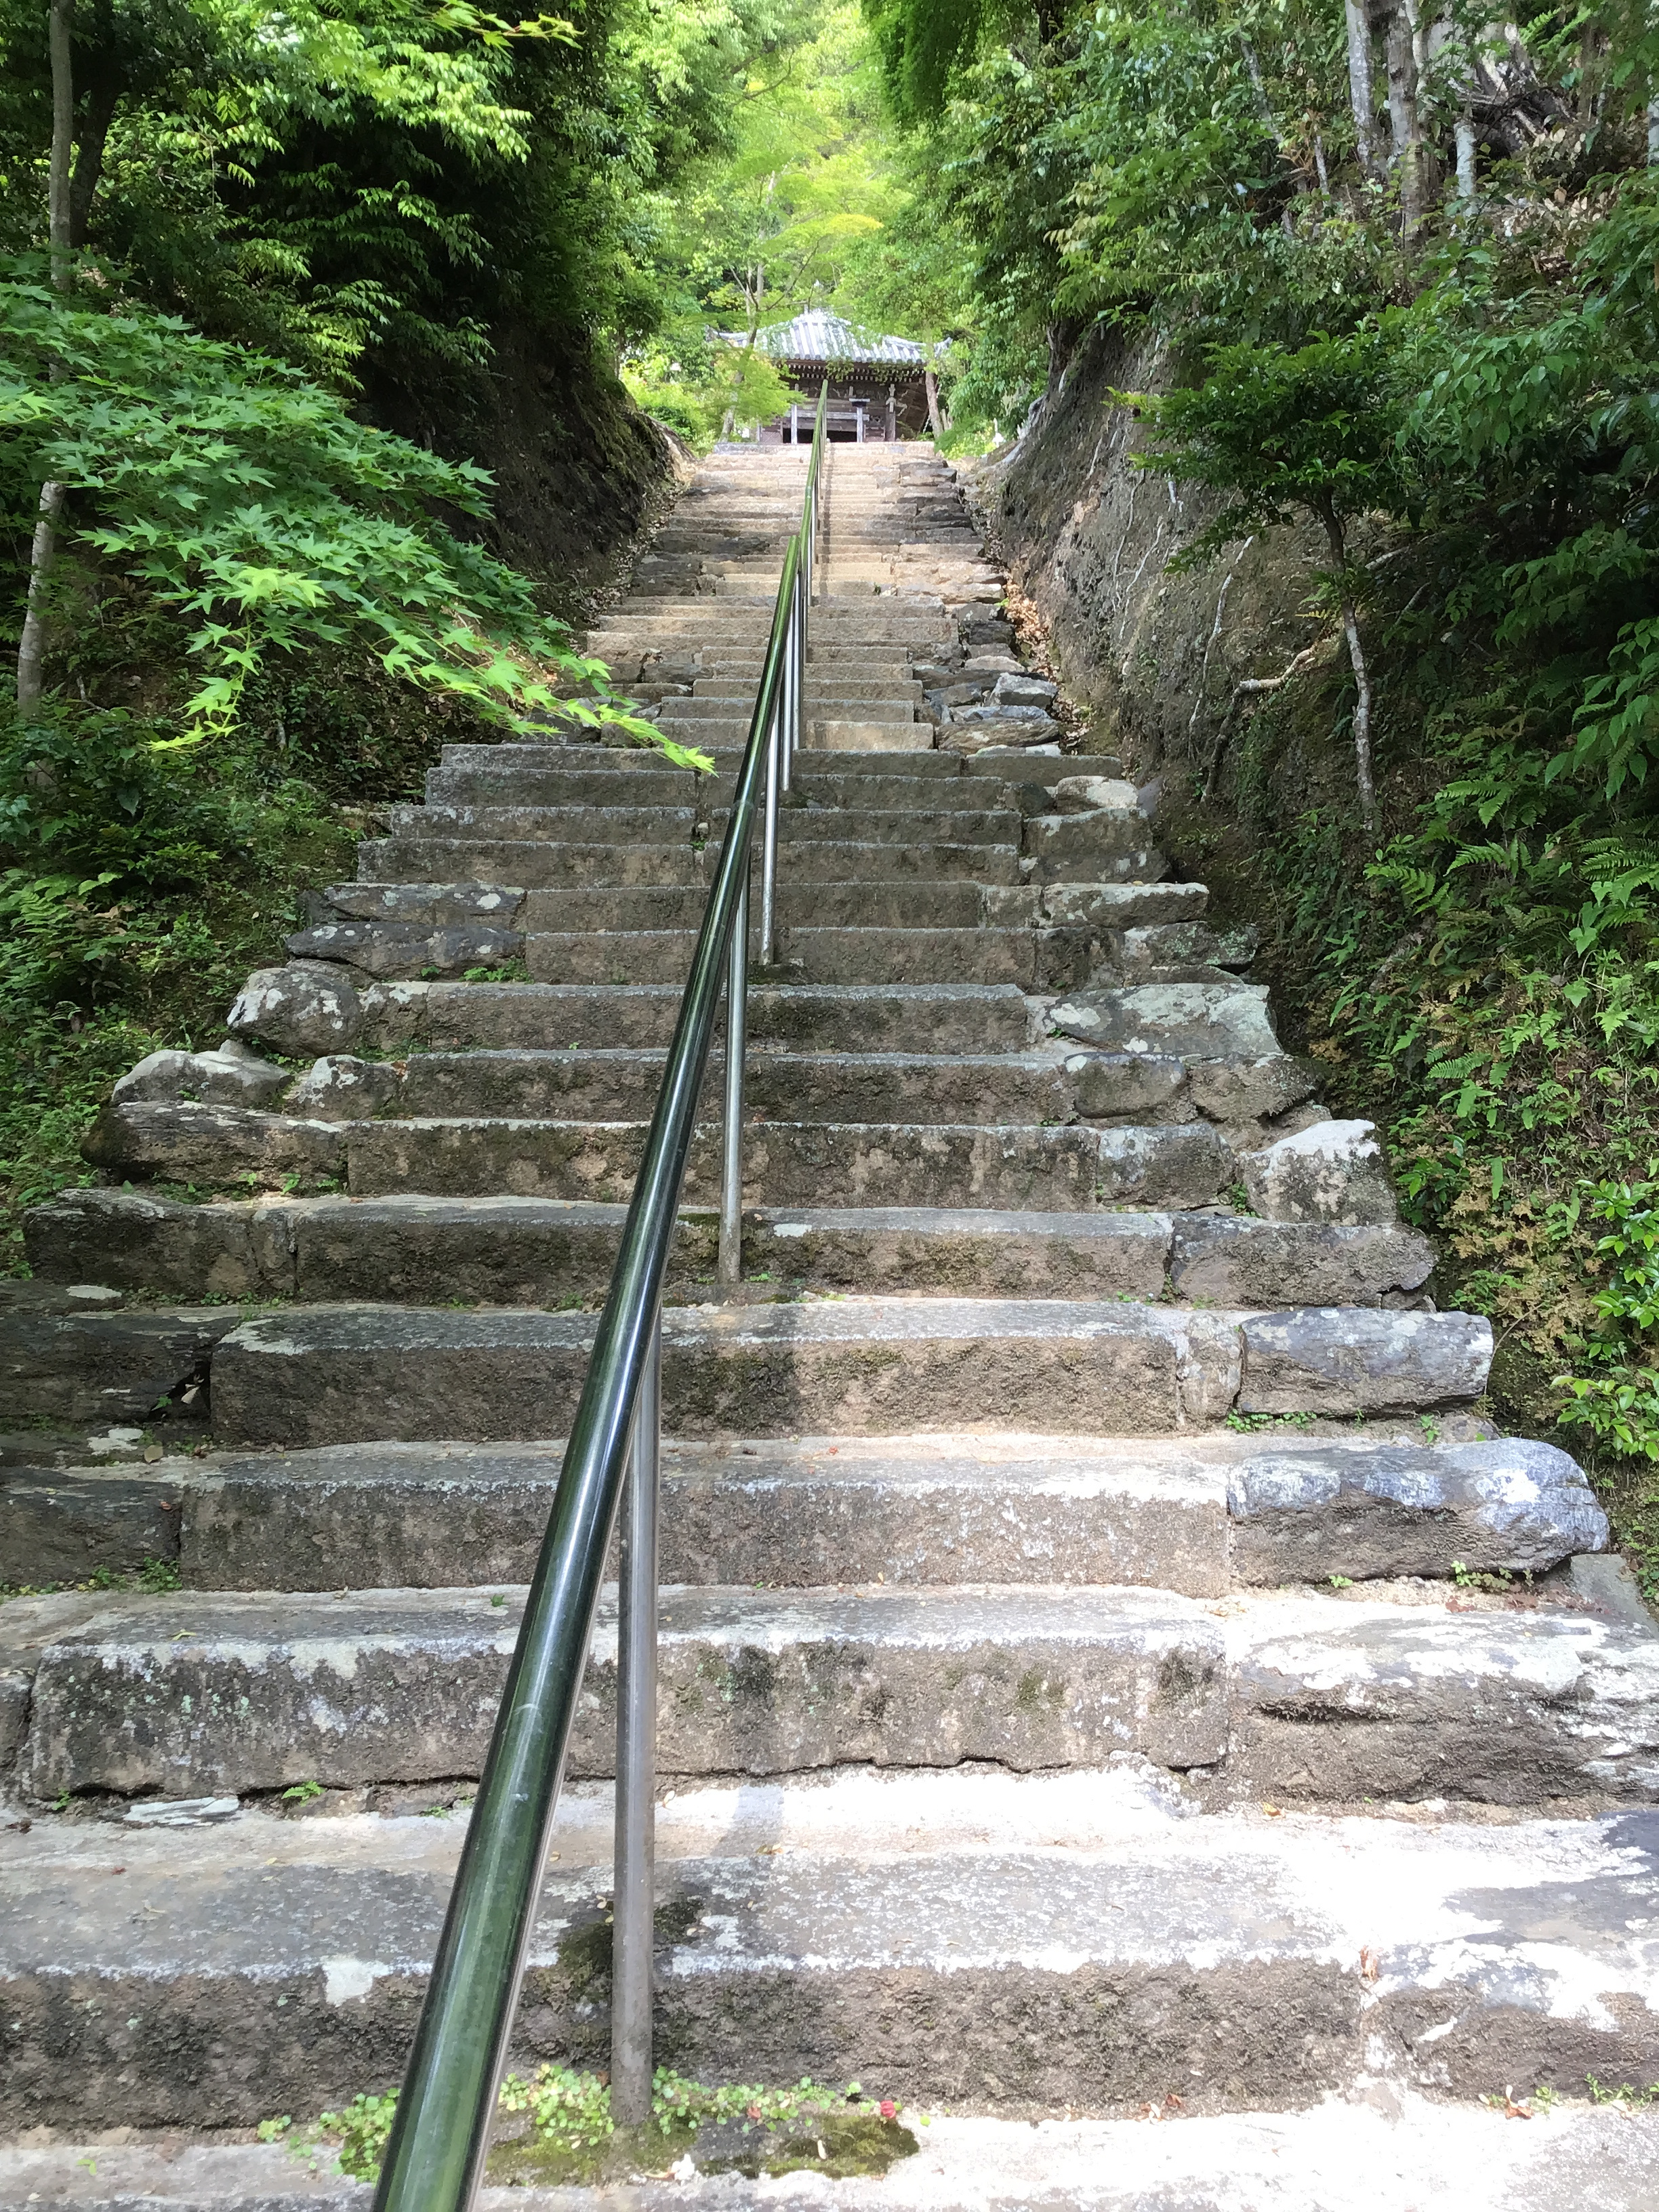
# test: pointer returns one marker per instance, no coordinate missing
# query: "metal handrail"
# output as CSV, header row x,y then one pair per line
x,y
440,2133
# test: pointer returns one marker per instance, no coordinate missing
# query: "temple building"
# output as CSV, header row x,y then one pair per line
x,y
878,386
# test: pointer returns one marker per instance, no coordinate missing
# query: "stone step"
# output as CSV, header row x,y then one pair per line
x,y
907,955
947,1939
539,862
530,1251
918,1164
1198,1516
1321,1698
872,1366
915,1018
618,1084
719,703
213,1693
1420,2152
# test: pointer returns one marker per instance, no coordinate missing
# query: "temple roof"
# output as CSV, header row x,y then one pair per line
x,y
817,337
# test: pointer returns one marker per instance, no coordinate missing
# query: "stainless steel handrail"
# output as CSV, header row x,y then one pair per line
x,y
440,2133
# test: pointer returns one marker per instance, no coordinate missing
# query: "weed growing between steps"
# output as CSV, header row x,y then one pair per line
x,y
556,2129
154,1578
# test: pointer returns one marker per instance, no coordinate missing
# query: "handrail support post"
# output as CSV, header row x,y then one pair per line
x,y
729,1267
633,1933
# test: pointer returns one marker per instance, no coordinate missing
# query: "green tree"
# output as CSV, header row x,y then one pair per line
x,y
1312,432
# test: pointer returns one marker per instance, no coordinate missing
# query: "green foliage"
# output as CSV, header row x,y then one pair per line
x,y
1277,431
248,501
569,2114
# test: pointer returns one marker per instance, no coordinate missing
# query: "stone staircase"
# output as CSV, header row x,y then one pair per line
x,y
1109,1663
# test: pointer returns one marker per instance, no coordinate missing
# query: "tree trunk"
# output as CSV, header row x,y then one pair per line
x,y
1466,176
103,98
1362,706
1404,122
1362,94
30,645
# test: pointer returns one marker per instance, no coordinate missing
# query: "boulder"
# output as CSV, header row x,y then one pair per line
x,y
209,1144
233,1074
1109,1085
1082,794
307,1006
1332,1171
1177,1165
1104,844
434,905
1018,688
1193,1020
1120,906
964,736
1244,1090
1304,1515
340,1088
1227,1261
1350,1359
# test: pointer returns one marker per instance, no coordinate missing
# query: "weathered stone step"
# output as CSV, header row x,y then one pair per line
x,y
1069,1168
210,1693
869,1365
945,903
535,1251
1199,1514
832,1929
904,955
539,863
547,1017
726,705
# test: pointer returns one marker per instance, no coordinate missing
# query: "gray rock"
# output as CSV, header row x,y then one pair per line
x,y
1227,1261
1244,1090
1082,794
435,905
1349,1360
231,1075
1017,689
993,664
1402,1510
340,1088
83,1367
1408,1702
209,1144
1238,946
304,1007
1120,906
1333,1171
968,693
142,1243
968,734
1104,843
1182,1163
1196,1020
1128,1084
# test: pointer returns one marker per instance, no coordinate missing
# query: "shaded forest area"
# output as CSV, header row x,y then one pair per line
x,y
314,435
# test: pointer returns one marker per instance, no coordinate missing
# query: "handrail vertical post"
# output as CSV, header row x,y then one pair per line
x,y
633,1934
769,825
729,1267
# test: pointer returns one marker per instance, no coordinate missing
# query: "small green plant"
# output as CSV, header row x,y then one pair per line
x,y
1627,2093
302,1793
1250,1425
1430,1427
569,2114
1341,1581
